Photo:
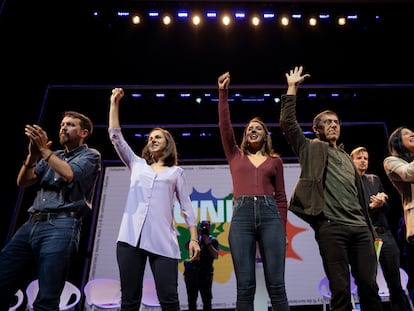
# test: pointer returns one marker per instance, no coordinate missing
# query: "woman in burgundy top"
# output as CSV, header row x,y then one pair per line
x,y
260,207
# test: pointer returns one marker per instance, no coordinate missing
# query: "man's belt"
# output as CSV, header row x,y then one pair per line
x,y
43,216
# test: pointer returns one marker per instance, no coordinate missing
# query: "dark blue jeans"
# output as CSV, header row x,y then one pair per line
x,y
257,219
131,263
45,246
343,246
390,265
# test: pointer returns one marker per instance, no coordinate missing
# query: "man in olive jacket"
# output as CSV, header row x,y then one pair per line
x,y
329,196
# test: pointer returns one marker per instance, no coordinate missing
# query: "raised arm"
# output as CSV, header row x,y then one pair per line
x,y
27,176
117,94
294,78
39,148
287,117
226,129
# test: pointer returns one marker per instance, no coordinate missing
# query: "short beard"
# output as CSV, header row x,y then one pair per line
x,y
63,140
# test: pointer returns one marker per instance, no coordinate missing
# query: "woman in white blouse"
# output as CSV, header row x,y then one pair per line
x,y
147,228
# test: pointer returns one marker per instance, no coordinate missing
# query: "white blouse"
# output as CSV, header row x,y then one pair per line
x,y
149,210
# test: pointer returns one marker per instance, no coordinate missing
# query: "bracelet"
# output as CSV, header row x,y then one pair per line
x,y
194,240
48,157
28,166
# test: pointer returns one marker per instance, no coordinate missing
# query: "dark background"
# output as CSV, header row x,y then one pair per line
x,y
56,55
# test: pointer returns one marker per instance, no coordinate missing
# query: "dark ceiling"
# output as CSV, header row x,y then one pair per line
x,y
58,42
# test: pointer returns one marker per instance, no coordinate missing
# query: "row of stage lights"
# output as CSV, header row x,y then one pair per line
x,y
244,98
227,19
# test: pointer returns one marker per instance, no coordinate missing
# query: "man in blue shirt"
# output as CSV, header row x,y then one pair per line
x,y
48,241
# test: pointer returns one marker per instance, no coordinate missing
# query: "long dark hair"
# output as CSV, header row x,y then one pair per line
x,y
396,147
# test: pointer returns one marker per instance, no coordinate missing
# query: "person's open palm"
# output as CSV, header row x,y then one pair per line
x,y
295,77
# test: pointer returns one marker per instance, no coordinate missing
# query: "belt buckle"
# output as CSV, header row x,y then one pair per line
x,y
38,216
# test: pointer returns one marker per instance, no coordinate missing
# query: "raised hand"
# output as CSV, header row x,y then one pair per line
x,y
294,78
38,138
117,94
224,80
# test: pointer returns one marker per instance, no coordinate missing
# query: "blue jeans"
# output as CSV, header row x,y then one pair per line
x,y
343,246
256,220
47,247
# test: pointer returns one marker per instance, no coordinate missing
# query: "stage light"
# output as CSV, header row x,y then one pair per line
x,y
211,14
122,13
239,15
226,20
255,21
312,21
136,19
196,20
324,16
166,20
252,100
153,14
182,14
341,21
284,21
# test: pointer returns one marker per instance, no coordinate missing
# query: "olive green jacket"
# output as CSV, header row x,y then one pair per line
x,y
308,199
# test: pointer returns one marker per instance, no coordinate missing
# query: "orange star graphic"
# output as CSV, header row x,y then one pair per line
x,y
291,232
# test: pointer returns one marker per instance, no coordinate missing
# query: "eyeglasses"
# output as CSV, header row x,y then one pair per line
x,y
329,121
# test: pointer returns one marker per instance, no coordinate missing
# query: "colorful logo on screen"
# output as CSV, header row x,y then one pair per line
x,y
219,212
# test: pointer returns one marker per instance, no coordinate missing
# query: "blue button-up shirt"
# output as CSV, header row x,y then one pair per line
x,y
56,193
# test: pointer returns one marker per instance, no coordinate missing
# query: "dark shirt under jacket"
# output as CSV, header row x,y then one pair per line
x,y
373,185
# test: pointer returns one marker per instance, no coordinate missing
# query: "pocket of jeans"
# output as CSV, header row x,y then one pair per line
x,y
237,205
